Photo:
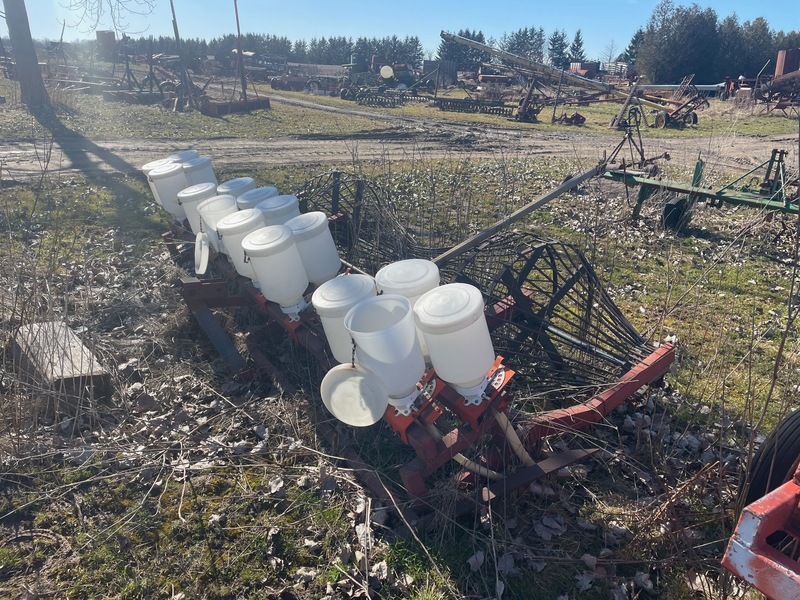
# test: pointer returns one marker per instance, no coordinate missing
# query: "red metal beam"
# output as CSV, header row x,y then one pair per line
x,y
593,411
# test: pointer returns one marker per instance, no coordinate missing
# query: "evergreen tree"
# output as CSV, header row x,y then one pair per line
x,y
757,46
632,49
466,58
786,40
338,51
299,50
557,45
576,51
678,42
729,55
527,42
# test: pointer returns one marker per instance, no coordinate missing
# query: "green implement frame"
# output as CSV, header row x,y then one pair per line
x,y
773,191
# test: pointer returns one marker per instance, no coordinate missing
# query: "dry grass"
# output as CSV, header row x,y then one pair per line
x,y
190,482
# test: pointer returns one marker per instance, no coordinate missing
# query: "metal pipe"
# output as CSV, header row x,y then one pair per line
x,y
571,183
513,439
240,56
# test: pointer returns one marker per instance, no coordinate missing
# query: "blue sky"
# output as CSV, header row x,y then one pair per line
x,y
601,21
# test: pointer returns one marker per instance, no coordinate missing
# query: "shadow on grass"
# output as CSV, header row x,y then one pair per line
x,y
82,152
93,161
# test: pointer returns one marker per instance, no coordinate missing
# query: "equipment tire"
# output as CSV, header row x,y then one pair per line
x,y
776,460
662,119
674,215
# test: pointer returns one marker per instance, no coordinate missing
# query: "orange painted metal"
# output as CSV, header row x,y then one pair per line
x,y
765,527
555,422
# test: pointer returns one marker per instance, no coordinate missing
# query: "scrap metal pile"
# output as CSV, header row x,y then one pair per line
x,y
550,86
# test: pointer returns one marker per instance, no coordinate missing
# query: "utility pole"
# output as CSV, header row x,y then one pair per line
x,y
239,52
186,91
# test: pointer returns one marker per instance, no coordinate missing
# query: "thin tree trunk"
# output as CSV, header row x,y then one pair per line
x,y
32,90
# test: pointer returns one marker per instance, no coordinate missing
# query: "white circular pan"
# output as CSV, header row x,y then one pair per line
x,y
201,250
354,395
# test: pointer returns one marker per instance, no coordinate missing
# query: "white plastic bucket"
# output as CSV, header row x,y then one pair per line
x,y
279,209
169,179
332,300
233,228
211,211
386,343
251,198
199,170
183,155
236,187
452,319
410,278
146,168
317,248
191,197
277,266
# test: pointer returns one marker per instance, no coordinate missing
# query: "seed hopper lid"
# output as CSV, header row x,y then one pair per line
x,y
448,308
166,170
268,240
197,192
354,395
338,295
240,221
195,164
155,163
258,194
236,186
307,225
411,277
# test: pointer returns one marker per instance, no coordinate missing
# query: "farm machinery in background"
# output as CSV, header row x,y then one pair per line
x,y
773,190
549,86
763,550
783,90
379,83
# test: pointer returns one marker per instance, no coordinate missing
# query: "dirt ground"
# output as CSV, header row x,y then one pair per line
x,y
428,137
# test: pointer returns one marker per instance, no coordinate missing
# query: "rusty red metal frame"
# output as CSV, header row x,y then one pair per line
x,y
470,423
203,295
579,416
752,554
